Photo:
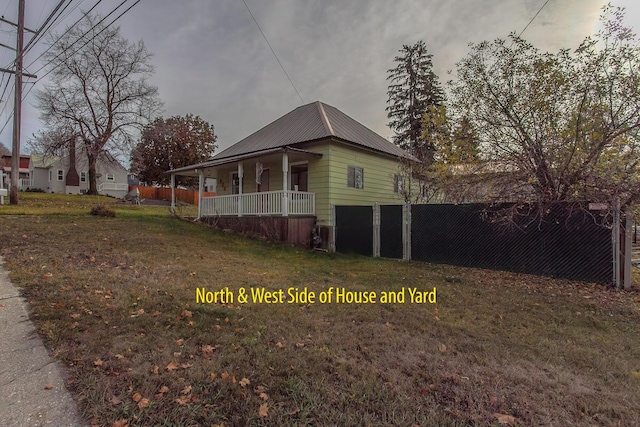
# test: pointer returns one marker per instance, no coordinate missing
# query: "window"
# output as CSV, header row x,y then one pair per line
x,y
60,175
235,183
110,177
355,177
398,184
83,177
50,175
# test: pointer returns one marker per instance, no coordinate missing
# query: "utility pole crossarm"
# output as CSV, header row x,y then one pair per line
x,y
6,70
15,25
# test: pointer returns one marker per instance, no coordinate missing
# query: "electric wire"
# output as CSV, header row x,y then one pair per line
x,y
272,51
534,17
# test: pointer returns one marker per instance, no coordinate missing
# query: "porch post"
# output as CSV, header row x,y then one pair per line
x,y
173,194
240,176
285,184
200,191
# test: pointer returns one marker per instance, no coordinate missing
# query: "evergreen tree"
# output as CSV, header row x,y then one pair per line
x,y
414,87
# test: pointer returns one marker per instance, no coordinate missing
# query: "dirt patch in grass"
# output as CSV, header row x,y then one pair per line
x,y
115,300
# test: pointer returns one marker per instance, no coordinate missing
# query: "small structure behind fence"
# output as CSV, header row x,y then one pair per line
x,y
164,193
564,245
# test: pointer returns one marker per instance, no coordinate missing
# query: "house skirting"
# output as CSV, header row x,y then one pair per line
x,y
293,230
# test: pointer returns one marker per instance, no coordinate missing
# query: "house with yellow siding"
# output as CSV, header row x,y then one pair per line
x,y
285,177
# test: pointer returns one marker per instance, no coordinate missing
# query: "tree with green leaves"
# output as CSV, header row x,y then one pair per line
x,y
556,126
172,143
413,88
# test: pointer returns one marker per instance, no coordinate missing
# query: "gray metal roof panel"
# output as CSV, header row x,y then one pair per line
x,y
308,123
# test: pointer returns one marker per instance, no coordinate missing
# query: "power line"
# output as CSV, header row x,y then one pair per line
x,y
534,17
272,51
83,35
56,21
40,32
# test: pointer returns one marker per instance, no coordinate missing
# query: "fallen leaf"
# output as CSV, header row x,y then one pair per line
x,y
244,382
177,353
180,341
183,400
207,350
98,362
48,386
119,356
115,401
186,390
442,348
635,374
212,376
294,411
233,379
75,315
299,344
186,313
264,396
279,344
259,389
143,403
264,410
120,423
186,365
505,419
172,366
155,369
136,397
164,389
224,375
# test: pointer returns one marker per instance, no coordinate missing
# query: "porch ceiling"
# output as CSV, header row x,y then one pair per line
x,y
211,164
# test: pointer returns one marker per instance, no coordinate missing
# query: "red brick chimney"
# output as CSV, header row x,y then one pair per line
x,y
73,179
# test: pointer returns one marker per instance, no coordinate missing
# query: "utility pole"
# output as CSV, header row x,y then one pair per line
x,y
17,113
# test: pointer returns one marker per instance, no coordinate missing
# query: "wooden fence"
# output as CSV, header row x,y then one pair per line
x,y
164,193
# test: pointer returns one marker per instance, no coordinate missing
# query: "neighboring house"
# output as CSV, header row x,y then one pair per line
x,y
301,165
53,174
23,171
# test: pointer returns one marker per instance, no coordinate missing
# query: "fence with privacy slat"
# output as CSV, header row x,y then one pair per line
x,y
565,244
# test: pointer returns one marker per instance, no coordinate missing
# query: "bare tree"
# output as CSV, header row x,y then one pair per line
x,y
99,89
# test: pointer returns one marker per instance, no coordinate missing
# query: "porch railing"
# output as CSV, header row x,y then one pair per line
x,y
261,204
103,186
24,183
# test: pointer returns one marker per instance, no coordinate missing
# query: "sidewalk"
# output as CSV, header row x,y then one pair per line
x,y
26,369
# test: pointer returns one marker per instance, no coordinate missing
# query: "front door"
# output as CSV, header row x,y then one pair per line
x,y
300,177
263,200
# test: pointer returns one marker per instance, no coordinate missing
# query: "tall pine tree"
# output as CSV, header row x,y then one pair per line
x,y
413,88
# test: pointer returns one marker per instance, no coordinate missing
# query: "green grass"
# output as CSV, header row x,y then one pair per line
x,y
114,299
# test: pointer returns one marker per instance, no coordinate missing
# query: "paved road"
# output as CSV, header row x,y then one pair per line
x,y
26,370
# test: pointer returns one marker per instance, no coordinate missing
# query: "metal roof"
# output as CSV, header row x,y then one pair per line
x,y
309,123
219,162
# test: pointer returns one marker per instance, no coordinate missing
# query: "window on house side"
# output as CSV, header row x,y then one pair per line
x,y
60,175
110,177
83,177
398,184
50,175
355,177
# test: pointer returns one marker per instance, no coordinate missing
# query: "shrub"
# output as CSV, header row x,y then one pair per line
x,y
102,210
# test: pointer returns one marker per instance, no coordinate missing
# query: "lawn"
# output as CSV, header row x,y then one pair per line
x,y
115,301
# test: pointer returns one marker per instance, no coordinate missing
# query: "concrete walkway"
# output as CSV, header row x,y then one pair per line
x,y
26,370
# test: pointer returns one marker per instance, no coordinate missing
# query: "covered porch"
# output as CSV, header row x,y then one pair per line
x,y
271,182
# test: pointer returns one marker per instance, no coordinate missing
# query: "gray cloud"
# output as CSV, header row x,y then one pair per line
x,y
211,60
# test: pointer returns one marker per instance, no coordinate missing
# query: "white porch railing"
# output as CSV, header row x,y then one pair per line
x,y
24,183
104,186
261,204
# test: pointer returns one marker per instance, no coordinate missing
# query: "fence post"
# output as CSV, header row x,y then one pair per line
x,y
332,243
628,248
616,243
376,230
406,232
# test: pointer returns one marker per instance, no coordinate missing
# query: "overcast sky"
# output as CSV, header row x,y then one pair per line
x,y
212,61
